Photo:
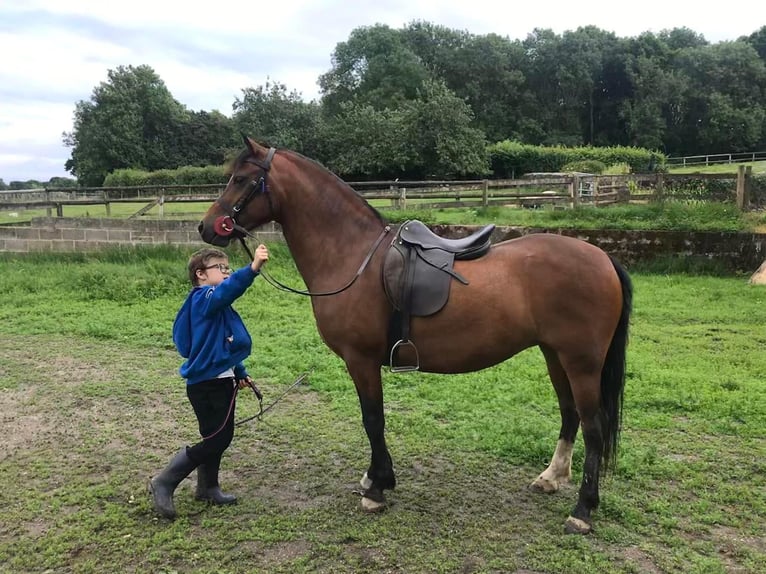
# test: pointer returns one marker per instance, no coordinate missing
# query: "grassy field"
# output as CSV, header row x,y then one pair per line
x,y
91,406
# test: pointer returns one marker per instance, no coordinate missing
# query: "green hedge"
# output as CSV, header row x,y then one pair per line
x,y
188,175
514,159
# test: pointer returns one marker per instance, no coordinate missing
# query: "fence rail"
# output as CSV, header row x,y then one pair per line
x,y
718,158
557,190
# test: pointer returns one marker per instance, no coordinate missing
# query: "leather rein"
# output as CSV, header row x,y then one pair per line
x,y
227,225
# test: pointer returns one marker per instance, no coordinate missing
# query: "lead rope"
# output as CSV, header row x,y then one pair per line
x,y
259,396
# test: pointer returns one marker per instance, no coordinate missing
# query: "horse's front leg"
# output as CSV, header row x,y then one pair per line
x,y
380,475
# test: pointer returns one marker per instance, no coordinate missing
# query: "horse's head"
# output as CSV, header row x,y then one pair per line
x,y
246,202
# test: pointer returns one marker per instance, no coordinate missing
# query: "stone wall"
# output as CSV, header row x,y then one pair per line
x,y
88,234
738,251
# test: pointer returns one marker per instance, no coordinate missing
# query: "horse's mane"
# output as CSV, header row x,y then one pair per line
x,y
342,183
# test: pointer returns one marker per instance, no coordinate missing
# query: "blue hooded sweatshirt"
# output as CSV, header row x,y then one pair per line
x,y
209,333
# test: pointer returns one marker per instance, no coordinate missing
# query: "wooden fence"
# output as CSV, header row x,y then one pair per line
x,y
564,190
717,158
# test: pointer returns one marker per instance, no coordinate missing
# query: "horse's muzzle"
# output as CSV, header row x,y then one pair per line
x,y
209,234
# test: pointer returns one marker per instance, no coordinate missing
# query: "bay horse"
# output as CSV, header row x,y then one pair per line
x,y
564,295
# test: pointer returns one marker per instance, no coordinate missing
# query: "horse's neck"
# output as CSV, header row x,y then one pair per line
x,y
329,231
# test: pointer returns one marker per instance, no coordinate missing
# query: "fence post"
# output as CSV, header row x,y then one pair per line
x,y
107,204
659,186
485,194
162,205
574,191
741,188
403,198
594,183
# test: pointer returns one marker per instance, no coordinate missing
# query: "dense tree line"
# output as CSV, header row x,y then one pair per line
x,y
425,100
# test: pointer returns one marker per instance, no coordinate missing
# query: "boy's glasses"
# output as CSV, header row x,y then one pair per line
x,y
222,267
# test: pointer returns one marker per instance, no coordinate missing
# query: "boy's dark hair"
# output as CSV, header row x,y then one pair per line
x,y
200,259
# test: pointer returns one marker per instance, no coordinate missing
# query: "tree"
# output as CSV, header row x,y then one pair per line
x,y
130,121
374,67
485,71
758,41
548,114
273,115
723,100
364,143
653,95
207,138
430,136
445,143
59,182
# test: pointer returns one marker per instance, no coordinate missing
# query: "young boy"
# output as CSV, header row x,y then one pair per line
x,y
212,338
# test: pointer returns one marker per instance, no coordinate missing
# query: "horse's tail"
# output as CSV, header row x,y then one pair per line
x,y
613,374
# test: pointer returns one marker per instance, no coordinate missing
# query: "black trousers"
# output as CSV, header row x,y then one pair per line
x,y
213,402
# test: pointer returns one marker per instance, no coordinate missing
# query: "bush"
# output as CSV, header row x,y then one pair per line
x,y
617,169
584,166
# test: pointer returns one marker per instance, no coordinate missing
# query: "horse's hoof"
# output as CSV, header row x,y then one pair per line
x,y
369,505
541,484
576,526
366,483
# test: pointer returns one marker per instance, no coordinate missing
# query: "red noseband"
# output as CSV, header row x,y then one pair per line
x,y
223,225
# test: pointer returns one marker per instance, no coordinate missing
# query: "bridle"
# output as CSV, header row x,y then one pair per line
x,y
227,224
255,187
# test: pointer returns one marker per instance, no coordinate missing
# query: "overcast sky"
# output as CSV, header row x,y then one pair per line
x,y
53,53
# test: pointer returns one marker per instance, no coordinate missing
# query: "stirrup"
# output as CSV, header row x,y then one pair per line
x,y
404,368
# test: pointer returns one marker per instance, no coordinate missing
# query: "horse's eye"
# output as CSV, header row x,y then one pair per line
x,y
239,179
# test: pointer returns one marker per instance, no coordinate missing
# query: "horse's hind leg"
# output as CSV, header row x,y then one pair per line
x,y
559,470
380,474
585,382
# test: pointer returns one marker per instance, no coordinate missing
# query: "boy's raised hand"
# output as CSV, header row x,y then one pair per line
x,y
261,256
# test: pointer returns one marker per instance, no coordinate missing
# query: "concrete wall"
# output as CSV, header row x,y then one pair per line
x,y
738,251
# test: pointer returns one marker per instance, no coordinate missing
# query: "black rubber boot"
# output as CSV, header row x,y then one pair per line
x,y
207,484
164,485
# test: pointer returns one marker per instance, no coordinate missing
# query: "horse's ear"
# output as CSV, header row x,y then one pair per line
x,y
251,144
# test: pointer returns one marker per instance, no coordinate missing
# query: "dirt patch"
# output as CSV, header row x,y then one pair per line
x,y
638,558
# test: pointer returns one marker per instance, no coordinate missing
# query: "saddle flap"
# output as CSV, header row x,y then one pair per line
x,y
430,280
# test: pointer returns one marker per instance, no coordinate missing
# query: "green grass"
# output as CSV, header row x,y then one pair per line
x,y
92,406
691,216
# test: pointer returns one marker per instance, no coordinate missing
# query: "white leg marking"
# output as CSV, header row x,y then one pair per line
x,y
559,471
366,482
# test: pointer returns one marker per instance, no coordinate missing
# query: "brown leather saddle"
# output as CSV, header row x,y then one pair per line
x,y
417,274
